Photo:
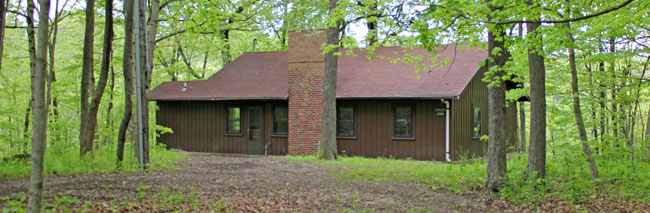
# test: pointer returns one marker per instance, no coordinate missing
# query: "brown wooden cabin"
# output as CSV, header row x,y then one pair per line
x,y
271,103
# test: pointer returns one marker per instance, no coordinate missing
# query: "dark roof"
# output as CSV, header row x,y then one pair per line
x,y
264,75
257,75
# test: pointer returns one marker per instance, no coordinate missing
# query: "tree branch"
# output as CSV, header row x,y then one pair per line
x,y
566,20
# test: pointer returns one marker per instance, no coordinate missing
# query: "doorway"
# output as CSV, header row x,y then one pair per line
x,y
255,130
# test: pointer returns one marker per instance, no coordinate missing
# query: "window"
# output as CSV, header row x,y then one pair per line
x,y
345,121
476,121
280,120
233,125
403,122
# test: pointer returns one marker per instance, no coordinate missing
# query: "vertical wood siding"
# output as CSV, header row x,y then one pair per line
x,y
374,131
463,144
200,126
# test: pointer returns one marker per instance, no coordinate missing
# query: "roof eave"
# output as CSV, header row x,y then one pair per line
x,y
216,98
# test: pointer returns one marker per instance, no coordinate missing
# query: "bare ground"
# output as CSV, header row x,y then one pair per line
x,y
246,183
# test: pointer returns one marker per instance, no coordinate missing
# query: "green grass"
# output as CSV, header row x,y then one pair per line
x,y
459,178
64,159
568,176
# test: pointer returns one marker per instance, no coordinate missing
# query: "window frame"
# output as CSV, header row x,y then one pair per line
x,y
241,117
273,133
394,120
354,121
474,134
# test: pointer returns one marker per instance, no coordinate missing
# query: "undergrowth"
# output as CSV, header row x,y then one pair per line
x,y
64,159
568,175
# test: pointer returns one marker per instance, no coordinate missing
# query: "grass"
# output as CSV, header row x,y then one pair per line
x,y
458,178
64,159
568,176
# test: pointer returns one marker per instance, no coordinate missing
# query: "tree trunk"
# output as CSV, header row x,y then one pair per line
x,y
577,111
39,108
537,147
109,115
52,76
3,14
127,60
372,23
90,118
328,146
522,128
496,151
28,111
144,79
85,135
647,127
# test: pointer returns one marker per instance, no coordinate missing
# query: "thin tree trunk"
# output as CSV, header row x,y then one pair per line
x,y
537,147
52,76
614,81
522,128
496,150
328,146
371,23
39,112
85,135
109,116
91,113
3,14
28,111
145,78
647,127
127,60
577,111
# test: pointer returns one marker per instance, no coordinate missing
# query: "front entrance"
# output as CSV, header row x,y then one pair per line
x,y
255,130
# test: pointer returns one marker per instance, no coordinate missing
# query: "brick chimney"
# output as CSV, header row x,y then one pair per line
x,y
306,77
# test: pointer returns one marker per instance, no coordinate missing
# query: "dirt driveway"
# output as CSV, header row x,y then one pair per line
x,y
245,183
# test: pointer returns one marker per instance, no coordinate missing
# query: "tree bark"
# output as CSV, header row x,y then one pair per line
x,y
39,107
85,136
614,81
127,61
328,146
145,78
90,119
647,127
3,14
371,24
28,111
537,145
522,127
496,151
577,111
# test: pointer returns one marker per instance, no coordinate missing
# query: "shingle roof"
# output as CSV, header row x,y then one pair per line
x,y
264,75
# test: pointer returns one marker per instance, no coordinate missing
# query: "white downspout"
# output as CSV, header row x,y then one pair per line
x,y
447,156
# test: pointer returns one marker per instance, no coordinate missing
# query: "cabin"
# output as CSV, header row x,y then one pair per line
x,y
270,103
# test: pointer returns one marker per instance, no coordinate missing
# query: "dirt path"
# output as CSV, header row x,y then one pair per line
x,y
244,183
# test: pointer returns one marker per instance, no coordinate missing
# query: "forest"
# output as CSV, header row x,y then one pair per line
x,y
74,78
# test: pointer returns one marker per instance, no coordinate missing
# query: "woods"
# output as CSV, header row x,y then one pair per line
x,y
583,66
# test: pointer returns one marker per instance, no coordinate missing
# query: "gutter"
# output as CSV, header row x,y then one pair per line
x,y
447,154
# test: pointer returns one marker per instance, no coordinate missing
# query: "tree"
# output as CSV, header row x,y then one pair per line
x,y
87,79
496,151
3,14
522,127
142,80
328,146
576,104
537,146
39,112
91,103
127,69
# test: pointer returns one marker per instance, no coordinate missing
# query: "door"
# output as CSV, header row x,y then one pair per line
x,y
255,130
